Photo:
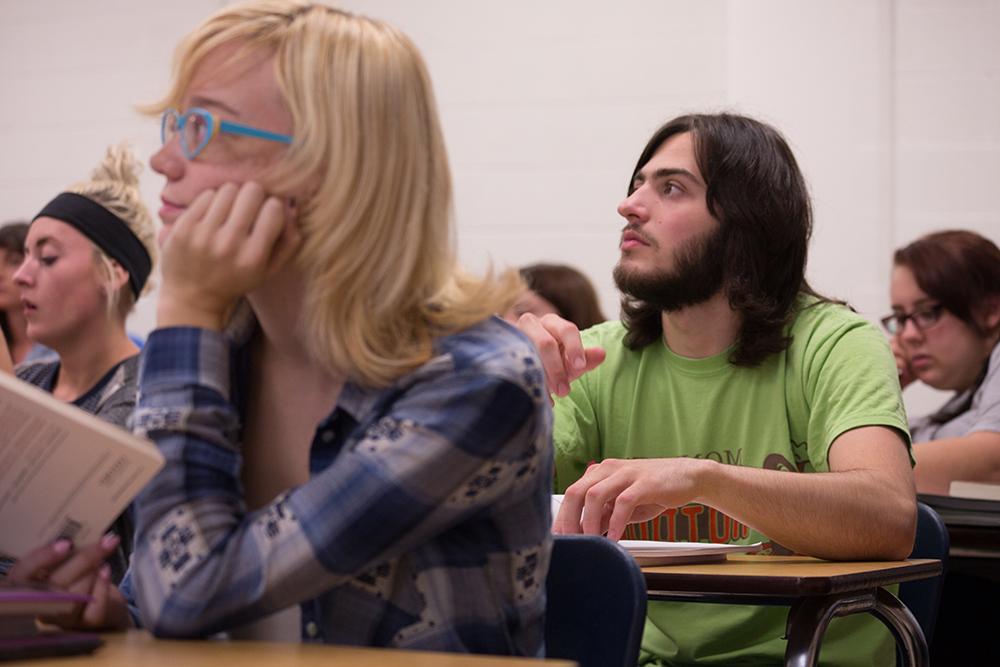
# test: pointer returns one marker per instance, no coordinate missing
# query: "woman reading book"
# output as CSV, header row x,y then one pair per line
x,y
349,434
87,257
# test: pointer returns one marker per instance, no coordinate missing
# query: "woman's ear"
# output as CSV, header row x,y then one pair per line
x,y
119,276
991,313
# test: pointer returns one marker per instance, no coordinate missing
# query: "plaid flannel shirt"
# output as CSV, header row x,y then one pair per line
x,y
425,522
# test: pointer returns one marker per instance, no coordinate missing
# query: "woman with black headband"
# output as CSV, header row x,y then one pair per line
x,y
88,256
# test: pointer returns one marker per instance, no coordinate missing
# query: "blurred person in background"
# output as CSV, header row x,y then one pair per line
x,y
945,327
559,289
12,320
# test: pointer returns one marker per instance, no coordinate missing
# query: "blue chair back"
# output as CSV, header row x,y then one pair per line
x,y
923,597
596,603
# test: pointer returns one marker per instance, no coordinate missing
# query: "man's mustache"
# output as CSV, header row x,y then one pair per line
x,y
637,230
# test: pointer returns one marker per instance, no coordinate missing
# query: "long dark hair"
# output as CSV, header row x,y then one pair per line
x,y
12,237
958,268
568,290
757,193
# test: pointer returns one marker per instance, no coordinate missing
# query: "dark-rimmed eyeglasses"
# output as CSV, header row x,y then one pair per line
x,y
922,318
196,127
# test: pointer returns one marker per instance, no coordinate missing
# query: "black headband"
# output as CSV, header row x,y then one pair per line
x,y
106,230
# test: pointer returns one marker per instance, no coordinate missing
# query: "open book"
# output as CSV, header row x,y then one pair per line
x,y
63,472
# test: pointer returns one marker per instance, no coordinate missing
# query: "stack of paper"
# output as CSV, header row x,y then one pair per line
x,y
650,552
19,633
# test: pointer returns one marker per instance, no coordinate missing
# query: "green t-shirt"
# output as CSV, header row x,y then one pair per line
x,y
837,374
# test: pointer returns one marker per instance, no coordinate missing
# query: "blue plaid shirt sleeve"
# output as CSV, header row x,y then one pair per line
x,y
446,447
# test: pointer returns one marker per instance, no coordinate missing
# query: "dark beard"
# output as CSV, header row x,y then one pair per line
x,y
697,276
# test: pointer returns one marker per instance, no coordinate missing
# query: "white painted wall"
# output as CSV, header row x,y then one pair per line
x,y
892,107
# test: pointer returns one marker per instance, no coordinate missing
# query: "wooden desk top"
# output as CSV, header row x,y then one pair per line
x,y
137,647
792,576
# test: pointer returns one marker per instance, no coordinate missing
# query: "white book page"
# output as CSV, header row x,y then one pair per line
x,y
63,472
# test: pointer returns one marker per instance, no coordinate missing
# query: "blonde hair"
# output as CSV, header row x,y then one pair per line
x,y
378,251
114,184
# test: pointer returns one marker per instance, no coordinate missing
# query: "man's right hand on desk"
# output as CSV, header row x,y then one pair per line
x,y
616,492
559,345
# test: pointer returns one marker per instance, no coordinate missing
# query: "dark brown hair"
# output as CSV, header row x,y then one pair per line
x,y
568,290
958,268
12,236
757,193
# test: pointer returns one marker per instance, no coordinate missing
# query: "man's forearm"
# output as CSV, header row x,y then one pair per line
x,y
847,515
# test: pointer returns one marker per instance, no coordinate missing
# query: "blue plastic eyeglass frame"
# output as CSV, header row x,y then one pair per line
x,y
215,125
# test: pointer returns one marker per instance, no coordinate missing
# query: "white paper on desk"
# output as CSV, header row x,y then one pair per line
x,y
63,472
652,552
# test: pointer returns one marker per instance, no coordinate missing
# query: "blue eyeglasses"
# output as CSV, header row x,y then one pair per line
x,y
196,127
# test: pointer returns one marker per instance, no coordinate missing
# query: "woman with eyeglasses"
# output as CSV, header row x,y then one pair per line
x,y
87,257
945,328
357,452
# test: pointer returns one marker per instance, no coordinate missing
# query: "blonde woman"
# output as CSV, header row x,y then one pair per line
x,y
348,433
87,258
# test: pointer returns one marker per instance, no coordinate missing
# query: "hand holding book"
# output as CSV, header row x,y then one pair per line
x,y
65,476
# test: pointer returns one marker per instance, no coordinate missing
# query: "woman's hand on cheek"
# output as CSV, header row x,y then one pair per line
x,y
223,246
906,374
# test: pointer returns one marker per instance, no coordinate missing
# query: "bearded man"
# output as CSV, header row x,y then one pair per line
x,y
734,403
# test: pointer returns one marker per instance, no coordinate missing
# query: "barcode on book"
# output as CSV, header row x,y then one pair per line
x,y
69,530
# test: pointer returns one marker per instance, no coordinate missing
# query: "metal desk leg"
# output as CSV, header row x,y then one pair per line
x,y
904,627
809,617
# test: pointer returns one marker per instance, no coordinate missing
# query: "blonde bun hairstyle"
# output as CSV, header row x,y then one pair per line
x,y
114,184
